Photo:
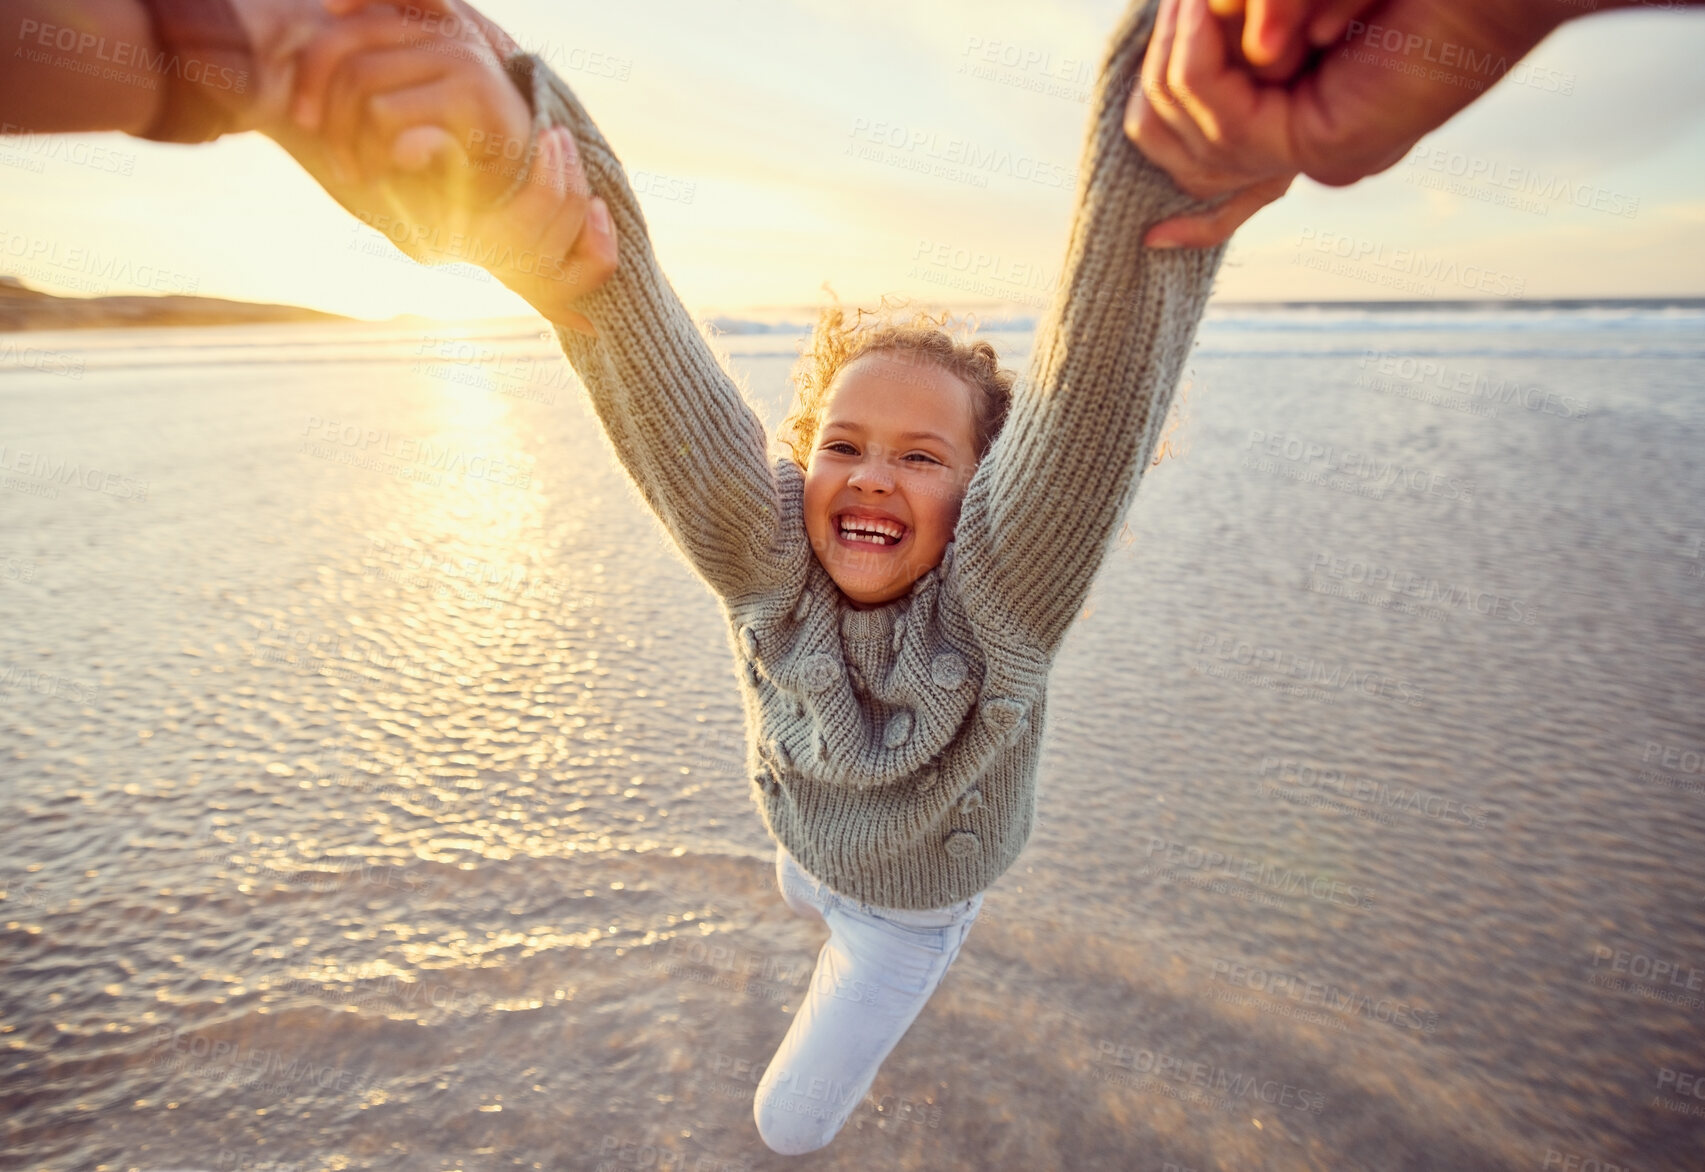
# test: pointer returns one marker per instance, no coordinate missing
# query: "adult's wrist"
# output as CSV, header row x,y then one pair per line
x,y
206,69
278,30
254,42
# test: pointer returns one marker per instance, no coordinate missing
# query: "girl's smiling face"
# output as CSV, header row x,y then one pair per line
x,y
895,452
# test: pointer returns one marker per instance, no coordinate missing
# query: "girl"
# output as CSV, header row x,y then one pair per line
x,y
896,586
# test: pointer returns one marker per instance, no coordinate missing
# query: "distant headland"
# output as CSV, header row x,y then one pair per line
x,y
24,308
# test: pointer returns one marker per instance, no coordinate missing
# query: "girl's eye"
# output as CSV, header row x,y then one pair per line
x,y
842,447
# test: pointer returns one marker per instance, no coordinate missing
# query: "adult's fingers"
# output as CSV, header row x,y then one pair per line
x,y
1160,126
1274,39
1328,22
552,198
1155,76
501,42
445,100
591,262
375,28
575,250
1197,73
410,128
416,148
573,172
411,9
568,218
1151,135
1272,27
346,119
1287,68
446,18
1216,226
573,257
1223,104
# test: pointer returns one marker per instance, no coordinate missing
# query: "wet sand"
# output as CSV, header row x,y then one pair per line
x,y
361,810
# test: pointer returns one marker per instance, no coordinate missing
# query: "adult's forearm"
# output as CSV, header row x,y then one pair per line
x,y
84,65
75,65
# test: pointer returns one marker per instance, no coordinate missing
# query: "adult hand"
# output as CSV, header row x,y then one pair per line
x,y
405,103
278,30
119,73
1275,36
1394,71
436,54
424,86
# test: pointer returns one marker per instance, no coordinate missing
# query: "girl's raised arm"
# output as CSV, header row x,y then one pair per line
x,y
1043,504
685,433
420,100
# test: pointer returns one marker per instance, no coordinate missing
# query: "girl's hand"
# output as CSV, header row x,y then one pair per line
x,y
554,242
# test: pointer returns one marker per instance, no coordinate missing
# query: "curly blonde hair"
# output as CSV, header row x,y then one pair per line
x,y
921,337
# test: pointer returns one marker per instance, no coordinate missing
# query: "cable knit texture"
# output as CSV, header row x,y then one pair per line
x,y
894,750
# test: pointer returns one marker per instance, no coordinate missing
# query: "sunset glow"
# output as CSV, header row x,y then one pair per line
x,y
929,153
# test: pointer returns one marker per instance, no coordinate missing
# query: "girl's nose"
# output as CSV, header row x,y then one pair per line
x,y
872,474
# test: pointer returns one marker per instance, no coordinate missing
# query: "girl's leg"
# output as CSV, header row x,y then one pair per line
x,y
876,972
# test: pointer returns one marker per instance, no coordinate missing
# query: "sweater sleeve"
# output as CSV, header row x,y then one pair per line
x,y
680,426
1042,506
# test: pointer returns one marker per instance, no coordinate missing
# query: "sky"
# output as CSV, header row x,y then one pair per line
x,y
758,136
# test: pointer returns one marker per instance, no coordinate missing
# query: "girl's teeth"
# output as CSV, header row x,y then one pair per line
x,y
850,533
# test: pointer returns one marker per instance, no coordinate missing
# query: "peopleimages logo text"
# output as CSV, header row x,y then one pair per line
x,y
1411,263
122,54
962,152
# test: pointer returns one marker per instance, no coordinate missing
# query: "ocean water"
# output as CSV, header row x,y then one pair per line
x,y
371,793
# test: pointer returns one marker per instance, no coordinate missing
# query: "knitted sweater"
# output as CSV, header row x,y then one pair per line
x,y
893,750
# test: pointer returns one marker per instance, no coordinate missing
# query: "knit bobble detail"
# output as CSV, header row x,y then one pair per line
x,y
962,844
899,729
819,671
972,801
1002,715
947,670
779,753
977,644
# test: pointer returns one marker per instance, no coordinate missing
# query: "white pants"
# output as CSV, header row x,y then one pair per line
x,y
874,975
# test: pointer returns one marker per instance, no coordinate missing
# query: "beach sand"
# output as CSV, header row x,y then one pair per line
x,y
372,788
